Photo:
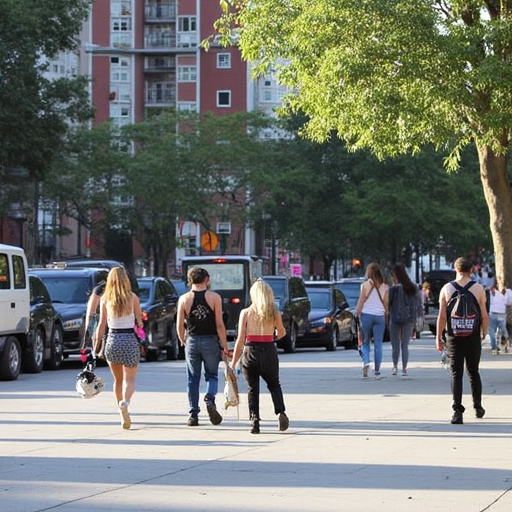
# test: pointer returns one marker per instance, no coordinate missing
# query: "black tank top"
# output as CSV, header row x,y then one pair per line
x,y
201,318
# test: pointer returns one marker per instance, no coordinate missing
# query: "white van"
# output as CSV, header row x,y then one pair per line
x,y
14,310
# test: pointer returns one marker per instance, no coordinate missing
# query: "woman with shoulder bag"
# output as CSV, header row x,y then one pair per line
x,y
372,310
120,310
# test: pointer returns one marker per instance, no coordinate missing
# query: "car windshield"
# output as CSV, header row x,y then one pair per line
x,y
144,291
68,290
351,292
320,299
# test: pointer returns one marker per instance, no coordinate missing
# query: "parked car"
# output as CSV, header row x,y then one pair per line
x,y
331,322
181,286
437,279
351,288
158,301
14,310
108,264
69,290
45,347
294,305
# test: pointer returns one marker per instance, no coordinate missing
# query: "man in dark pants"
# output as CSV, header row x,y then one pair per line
x,y
462,349
201,331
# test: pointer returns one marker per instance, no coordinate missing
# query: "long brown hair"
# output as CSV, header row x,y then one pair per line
x,y
118,292
402,277
374,272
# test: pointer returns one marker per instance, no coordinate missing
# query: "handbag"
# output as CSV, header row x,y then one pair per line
x,y
231,393
88,384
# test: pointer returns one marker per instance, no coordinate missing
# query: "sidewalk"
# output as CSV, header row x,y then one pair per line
x,y
353,444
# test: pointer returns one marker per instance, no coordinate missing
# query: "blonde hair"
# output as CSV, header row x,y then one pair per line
x,y
262,298
118,292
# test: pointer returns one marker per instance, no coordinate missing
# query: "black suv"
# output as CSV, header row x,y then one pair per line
x,y
70,290
158,302
44,341
294,305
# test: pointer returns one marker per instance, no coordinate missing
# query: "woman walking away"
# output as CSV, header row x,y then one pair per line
x,y
120,310
372,309
258,326
405,306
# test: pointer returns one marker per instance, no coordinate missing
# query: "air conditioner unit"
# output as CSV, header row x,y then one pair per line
x,y
223,228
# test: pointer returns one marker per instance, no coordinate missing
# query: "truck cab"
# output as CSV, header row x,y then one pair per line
x,y
14,310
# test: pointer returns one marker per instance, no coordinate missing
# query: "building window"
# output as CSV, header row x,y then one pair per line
x,y
267,95
223,60
121,7
187,73
117,75
224,99
116,61
187,24
121,40
121,24
119,69
187,106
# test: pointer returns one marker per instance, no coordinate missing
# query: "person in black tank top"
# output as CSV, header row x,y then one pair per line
x,y
202,332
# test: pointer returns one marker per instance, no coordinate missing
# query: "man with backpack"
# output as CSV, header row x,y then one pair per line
x,y
463,315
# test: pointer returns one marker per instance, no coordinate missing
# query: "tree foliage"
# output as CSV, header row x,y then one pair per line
x,y
334,204
34,112
394,76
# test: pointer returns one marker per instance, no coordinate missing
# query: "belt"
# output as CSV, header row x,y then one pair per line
x,y
494,313
259,343
119,331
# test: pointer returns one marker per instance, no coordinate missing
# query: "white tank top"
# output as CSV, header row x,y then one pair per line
x,y
373,305
120,322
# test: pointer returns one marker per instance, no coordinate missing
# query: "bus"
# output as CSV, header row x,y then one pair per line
x,y
231,277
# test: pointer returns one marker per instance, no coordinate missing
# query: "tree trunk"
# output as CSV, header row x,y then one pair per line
x,y
498,195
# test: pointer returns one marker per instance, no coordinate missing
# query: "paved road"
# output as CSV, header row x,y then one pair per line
x,y
353,444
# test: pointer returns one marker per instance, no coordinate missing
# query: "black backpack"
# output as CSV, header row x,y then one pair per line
x,y
463,311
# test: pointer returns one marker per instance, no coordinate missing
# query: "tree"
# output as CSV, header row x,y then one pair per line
x,y
394,76
194,173
34,112
87,181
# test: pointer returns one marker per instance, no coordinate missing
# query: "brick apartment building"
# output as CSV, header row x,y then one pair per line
x,y
146,54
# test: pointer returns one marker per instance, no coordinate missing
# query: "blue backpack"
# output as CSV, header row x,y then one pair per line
x,y
463,311
402,306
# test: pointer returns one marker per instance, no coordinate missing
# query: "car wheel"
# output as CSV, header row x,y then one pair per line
x,y
290,343
56,349
33,359
333,340
10,364
173,348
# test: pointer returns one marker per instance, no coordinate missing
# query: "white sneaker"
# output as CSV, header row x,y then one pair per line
x,y
393,371
404,372
126,421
